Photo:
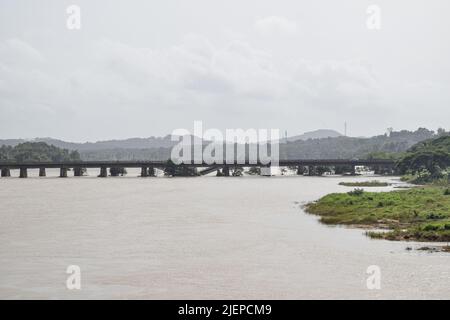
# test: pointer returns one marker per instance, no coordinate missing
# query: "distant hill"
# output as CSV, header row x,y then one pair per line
x,y
350,147
320,144
131,143
11,142
317,134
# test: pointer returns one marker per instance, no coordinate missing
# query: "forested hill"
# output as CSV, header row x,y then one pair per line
x,y
339,147
325,148
441,144
431,158
36,151
351,147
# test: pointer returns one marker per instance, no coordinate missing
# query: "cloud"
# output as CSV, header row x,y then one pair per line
x,y
275,25
194,79
337,84
24,79
193,74
194,67
15,50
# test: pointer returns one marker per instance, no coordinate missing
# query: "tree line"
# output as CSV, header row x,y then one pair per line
x,y
37,151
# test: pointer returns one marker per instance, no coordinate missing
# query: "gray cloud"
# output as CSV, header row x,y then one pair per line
x,y
275,25
89,85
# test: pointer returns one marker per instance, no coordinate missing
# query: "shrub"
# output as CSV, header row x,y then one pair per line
x,y
434,216
356,192
431,227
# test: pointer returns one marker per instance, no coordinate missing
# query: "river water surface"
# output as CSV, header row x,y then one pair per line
x,y
196,238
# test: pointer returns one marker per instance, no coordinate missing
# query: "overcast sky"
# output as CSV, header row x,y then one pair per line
x,y
144,68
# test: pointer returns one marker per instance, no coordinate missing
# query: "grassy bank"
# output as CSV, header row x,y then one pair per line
x,y
374,183
421,214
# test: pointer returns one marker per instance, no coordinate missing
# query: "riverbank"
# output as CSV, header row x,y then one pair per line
x,y
374,183
419,214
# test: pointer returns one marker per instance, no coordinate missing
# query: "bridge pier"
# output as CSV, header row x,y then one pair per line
x,y
63,172
114,171
23,173
6,172
103,172
117,171
376,169
42,172
77,171
144,172
226,171
391,170
151,172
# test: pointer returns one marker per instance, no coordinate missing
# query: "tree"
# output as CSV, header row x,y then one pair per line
x,y
432,156
37,151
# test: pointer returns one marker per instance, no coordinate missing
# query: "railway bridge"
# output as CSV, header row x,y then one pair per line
x,y
148,167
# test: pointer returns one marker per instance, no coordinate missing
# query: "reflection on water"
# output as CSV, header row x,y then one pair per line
x,y
202,237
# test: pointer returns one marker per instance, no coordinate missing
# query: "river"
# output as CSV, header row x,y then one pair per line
x,y
196,238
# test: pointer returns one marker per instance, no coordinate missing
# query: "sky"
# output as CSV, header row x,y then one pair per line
x,y
145,68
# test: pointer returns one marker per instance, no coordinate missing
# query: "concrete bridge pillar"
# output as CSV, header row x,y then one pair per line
x,y
376,169
144,172
6,172
151,172
23,173
42,172
103,172
117,171
353,171
310,170
77,172
63,172
114,171
226,171
391,170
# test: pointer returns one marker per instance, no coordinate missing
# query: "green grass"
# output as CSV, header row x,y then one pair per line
x,y
374,183
421,214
